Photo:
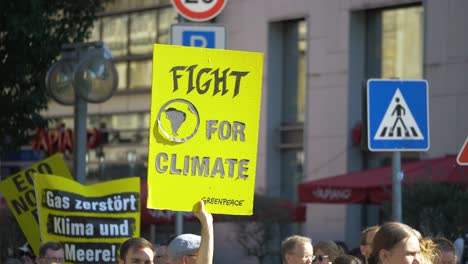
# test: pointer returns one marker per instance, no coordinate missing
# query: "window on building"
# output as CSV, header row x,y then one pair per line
x,y
129,29
166,17
125,5
302,71
286,110
293,110
402,43
114,30
95,33
395,43
394,49
122,72
143,26
140,74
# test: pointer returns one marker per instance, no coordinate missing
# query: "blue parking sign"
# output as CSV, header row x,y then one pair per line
x,y
202,39
202,36
397,115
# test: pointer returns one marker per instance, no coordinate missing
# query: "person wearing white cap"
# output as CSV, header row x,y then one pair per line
x,y
194,249
184,248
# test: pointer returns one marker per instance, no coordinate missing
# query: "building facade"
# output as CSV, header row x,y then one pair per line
x,y
318,56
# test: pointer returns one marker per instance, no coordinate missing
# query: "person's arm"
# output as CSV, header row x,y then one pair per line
x,y
205,253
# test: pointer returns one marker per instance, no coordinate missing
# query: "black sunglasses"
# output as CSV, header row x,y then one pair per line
x,y
320,257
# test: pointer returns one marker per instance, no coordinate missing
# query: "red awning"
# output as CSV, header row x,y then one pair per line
x,y
374,186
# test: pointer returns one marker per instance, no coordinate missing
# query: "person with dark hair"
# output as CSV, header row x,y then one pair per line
x,y
347,259
366,240
297,250
327,251
343,246
446,253
395,243
51,253
160,255
136,250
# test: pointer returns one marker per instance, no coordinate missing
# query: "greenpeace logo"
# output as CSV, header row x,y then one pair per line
x,y
332,194
222,201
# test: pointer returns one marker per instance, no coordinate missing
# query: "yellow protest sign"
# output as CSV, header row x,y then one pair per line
x,y
90,221
18,191
205,110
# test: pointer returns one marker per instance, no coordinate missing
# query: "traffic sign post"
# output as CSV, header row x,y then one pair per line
x,y
397,120
199,10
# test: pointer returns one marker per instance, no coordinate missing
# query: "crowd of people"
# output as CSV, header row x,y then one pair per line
x,y
391,243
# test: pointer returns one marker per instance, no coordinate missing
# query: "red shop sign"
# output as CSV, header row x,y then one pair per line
x,y
55,140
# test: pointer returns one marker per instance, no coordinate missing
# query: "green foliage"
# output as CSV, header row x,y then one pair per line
x,y
435,209
31,35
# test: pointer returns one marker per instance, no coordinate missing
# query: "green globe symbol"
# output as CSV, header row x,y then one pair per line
x,y
178,120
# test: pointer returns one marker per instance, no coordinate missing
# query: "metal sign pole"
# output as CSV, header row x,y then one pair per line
x,y
179,219
396,186
79,144
80,140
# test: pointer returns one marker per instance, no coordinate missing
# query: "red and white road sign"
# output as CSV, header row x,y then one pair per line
x,y
199,10
462,158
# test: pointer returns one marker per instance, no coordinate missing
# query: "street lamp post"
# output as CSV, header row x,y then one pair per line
x,y
85,73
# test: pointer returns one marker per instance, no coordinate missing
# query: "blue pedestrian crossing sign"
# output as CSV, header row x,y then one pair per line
x,y
397,115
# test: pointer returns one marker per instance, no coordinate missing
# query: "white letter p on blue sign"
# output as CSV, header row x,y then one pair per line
x,y
202,39
202,36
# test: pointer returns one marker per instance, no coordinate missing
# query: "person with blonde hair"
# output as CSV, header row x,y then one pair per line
x,y
367,235
327,251
297,250
395,243
428,250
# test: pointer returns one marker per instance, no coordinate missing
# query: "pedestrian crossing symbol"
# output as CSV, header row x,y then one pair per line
x,y
398,122
397,115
